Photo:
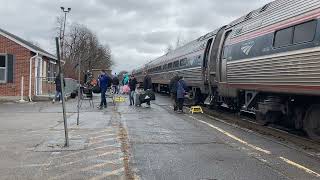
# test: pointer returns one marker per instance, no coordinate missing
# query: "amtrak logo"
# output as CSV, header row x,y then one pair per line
x,y
246,47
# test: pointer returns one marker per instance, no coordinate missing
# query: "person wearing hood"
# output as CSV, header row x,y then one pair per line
x,y
181,91
125,80
173,90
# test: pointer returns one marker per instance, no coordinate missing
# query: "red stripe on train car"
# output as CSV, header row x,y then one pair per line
x,y
296,20
274,88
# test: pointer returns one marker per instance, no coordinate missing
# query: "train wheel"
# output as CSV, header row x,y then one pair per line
x,y
311,123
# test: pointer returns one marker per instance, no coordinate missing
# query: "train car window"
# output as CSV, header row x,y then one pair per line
x,y
164,67
283,37
183,62
305,32
176,64
170,66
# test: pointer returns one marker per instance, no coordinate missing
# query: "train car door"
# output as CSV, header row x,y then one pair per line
x,y
212,60
205,61
223,59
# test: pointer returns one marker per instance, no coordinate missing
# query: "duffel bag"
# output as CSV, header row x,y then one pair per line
x,y
151,94
96,89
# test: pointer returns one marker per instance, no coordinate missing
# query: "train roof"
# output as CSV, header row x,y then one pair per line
x,y
271,13
183,49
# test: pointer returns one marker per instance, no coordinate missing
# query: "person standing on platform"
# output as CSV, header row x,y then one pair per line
x,y
147,84
57,81
103,84
181,91
115,84
173,90
132,84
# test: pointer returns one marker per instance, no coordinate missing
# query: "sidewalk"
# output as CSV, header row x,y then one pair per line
x,y
32,138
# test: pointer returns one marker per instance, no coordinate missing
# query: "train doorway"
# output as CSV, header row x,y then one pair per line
x,y
205,61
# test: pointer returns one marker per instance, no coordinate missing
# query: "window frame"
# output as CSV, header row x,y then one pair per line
x,y
176,63
5,69
185,60
275,35
293,34
314,35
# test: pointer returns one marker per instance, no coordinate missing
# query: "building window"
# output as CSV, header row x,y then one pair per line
x,y
3,68
169,65
305,32
283,37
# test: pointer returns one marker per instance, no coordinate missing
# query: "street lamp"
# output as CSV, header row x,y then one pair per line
x,y
65,11
61,75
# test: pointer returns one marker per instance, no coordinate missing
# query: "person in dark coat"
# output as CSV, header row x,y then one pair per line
x,y
132,85
57,81
103,84
147,84
181,91
115,84
173,90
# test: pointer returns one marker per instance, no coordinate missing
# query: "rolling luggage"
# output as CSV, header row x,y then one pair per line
x,y
137,99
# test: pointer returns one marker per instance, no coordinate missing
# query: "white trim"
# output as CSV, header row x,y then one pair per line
x,y
290,53
26,46
5,69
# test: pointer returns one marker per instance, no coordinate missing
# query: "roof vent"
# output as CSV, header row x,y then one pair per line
x,y
264,8
248,16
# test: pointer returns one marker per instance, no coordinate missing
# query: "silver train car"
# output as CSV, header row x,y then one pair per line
x,y
266,62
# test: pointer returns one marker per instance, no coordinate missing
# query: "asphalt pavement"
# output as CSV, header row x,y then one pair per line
x,y
128,142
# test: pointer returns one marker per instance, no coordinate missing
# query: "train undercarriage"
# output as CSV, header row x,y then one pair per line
x,y
290,111
301,113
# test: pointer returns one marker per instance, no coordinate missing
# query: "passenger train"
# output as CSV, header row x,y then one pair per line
x,y
266,62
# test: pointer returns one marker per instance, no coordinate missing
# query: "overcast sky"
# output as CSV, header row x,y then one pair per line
x,y
136,30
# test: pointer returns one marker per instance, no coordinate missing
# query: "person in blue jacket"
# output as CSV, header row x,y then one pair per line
x,y
103,83
181,91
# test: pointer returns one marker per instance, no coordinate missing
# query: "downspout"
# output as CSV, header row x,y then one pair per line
x,y
30,75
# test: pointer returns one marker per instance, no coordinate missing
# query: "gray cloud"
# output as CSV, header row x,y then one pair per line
x,y
136,31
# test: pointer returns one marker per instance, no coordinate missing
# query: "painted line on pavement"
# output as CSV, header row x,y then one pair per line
x,y
233,136
101,141
63,176
106,135
307,170
90,157
299,166
88,150
112,173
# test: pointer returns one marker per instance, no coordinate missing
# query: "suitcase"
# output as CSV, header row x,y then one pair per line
x,y
137,99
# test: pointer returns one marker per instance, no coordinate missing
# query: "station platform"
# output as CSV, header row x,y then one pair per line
x,y
129,142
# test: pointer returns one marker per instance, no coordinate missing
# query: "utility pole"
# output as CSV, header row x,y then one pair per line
x,y
62,96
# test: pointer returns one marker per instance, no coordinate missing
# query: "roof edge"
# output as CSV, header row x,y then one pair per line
x,y
26,46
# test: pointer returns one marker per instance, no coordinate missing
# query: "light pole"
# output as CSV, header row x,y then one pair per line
x,y
65,11
61,75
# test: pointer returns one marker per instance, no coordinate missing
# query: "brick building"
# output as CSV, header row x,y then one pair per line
x,y
20,59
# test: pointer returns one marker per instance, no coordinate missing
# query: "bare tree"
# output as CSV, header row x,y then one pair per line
x,y
169,48
179,42
81,44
